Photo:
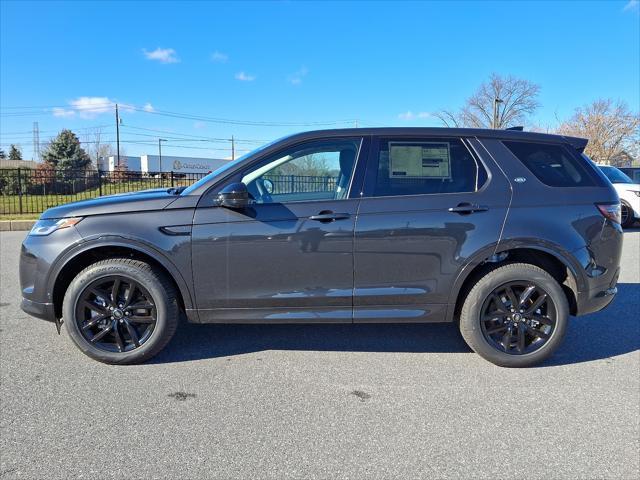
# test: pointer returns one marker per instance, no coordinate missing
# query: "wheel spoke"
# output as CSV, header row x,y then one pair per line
x,y
114,290
499,304
537,304
141,319
141,305
133,334
542,319
524,296
129,296
116,333
521,331
92,306
100,335
538,333
506,340
511,296
93,321
497,329
100,293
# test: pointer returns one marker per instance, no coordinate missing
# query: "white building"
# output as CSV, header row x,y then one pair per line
x,y
151,163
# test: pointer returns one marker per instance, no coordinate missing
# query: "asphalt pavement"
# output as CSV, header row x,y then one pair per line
x,y
380,401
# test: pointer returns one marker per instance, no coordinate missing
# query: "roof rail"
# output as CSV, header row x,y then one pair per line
x,y
519,128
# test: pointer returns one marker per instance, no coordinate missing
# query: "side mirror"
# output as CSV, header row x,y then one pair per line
x,y
234,195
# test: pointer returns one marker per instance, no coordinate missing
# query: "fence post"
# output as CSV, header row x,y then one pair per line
x,y
20,190
292,184
99,183
171,178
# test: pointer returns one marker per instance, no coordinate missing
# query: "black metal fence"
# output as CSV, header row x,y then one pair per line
x,y
31,191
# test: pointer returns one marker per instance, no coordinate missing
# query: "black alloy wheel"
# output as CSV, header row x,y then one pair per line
x,y
518,317
116,314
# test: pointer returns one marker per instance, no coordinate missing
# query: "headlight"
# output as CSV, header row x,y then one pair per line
x,y
636,192
46,227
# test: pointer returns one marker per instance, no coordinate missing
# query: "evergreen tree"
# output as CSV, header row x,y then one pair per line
x,y
65,152
15,153
2,154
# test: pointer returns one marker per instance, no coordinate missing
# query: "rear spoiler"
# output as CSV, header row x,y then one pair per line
x,y
578,143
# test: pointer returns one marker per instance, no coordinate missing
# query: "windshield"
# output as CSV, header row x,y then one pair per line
x,y
222,169
615,176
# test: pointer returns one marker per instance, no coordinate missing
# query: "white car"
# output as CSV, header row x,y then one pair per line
x,y
628,191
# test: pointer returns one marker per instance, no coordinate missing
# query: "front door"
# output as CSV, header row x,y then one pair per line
x,y
289,256
429,204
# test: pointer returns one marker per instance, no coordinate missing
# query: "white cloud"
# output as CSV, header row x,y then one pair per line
x,y
409,115
244,77
90,107
63,113
148,107
296,78
219,57
631,6
162,55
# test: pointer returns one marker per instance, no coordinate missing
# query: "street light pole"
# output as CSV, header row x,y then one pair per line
x,y
496,101
160,140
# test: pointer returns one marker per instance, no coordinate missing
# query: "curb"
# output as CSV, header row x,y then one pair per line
x,y
16,225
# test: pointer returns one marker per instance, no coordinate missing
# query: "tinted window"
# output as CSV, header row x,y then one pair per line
x,y
553,164
615,176
312,171
420,167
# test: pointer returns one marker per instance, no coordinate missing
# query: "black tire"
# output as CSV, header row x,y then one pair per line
x,y
628,219
153,286
474,319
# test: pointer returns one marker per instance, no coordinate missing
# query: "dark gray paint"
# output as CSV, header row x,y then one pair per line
x,y
390,259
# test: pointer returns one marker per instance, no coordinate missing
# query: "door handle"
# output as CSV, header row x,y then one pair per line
x,y
466,208
327,216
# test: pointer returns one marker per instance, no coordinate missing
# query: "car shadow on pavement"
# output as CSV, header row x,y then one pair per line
x,y
612,332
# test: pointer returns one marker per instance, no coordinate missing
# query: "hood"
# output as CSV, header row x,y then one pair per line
x,y
144,200
627,186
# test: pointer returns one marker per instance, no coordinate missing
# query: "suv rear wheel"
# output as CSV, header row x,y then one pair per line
x,y
515,316
120,311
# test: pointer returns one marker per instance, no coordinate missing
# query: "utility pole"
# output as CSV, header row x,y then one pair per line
x,y
160,140
36,142
118,134
356,123
496,101
233,148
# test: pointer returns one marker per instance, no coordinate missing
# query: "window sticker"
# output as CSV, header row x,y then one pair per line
x,y
419,160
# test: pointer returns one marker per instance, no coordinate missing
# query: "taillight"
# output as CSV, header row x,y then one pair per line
x,y
610,211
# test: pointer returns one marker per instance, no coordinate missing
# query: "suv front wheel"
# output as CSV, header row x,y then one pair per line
x,y
120,311
515,316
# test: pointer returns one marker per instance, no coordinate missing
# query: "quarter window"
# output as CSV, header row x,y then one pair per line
x,y
552,164
422,167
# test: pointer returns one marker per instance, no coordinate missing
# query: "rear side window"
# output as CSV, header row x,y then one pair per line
x,y
426,166
553,164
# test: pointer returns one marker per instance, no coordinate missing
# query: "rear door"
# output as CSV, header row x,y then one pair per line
x,y
428,205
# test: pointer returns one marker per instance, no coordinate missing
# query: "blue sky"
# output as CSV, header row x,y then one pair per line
x,y
295,63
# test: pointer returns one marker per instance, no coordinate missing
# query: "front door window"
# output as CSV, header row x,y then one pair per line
x,y
314,171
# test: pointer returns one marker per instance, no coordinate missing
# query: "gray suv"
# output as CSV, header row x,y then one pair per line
x,y
506,233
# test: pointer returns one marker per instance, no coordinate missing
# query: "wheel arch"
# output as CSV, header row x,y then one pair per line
x,y
552,260
110,247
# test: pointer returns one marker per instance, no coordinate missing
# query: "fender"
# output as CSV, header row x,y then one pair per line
x,y
565,257
120,241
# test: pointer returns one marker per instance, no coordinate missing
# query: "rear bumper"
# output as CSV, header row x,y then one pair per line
x,y
596,299
44,311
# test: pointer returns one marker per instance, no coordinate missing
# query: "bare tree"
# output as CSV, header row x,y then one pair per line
x,y
96,146
611,127
514,99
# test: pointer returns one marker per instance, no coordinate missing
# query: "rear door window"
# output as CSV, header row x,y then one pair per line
x,y
552,164
426,166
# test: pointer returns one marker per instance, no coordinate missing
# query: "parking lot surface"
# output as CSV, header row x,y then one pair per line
x,y
387,401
